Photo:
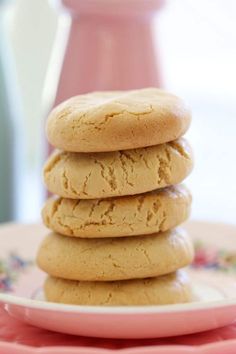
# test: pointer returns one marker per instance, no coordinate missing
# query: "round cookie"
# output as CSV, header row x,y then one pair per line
x,y
117,120
147,213
168,289
103,175
121,258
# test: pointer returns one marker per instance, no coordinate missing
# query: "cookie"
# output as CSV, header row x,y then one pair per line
x,y
117,120
167,289
103,175
120,258
147,213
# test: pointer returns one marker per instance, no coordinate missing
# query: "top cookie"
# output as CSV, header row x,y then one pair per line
x,y
117,120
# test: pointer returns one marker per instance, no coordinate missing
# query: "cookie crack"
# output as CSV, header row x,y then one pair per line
x,y
145,253
145,161
149,217
162,173
96,223
128,156
76,203
123,166
66,183
179,148
156,206
109,211
111,178
85,184
140,203
57,203
92,209
164,217
50,166
107,300
65,225
116,264
107,117
64,180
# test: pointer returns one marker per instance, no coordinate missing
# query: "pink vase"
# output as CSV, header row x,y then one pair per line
x,y
111,47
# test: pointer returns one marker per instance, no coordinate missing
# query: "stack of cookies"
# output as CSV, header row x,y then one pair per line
x,y
114,239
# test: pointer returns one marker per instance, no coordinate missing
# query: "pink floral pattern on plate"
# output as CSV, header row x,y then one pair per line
x,y
10,270
212,258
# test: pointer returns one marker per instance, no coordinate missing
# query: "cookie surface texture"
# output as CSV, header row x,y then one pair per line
x,y
110,259
168,289
104,175
117,120
148,213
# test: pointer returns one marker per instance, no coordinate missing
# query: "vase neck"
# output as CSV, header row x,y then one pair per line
x,y
119,8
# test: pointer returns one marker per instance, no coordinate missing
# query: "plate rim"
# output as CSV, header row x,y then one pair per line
x,y
8,299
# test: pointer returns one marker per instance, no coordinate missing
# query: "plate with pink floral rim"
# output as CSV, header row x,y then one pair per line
x,y
213,275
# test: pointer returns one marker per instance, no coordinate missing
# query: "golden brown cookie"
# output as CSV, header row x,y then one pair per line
x,y
103,175
117,120
120,258
167,289
147,213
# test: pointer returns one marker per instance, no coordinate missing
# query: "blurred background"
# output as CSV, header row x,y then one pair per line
x,y
50,50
